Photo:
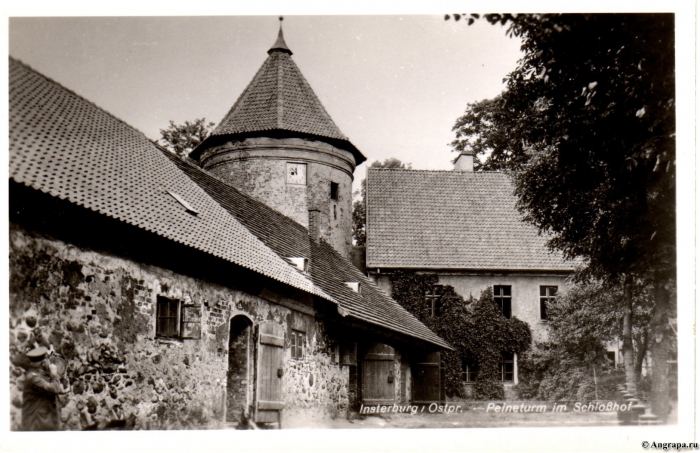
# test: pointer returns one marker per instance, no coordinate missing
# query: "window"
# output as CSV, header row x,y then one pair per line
x,y
296,173
470,369
433,301
176,320
547,296
507,366
334,191
502,297
297,344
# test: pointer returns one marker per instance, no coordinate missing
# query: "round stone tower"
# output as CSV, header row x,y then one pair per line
x,y
279,145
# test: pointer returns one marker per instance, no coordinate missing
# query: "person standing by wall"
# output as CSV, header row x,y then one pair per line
x,y
41,387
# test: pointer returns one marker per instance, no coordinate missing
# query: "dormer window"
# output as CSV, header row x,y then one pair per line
x,y
301,263
355,286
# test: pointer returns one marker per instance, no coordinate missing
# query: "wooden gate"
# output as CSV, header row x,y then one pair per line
x,y
428,380
378,375
268,389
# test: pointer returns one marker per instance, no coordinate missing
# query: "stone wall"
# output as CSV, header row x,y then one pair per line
x,y
98,312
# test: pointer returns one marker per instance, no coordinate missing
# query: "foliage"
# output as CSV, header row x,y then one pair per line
x,y
581,322
359,207
477,131
545,374
474,328
589,109
183,138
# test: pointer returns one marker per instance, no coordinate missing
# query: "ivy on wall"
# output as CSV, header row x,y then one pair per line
x,y
475,328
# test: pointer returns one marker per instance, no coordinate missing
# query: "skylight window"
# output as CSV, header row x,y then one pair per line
x,y
355,286
301,263
186,205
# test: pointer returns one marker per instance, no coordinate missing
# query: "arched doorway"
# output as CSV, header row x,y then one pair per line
x,y
238,377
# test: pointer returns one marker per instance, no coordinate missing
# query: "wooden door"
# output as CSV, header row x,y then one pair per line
x,y
427,375
378,375
268,389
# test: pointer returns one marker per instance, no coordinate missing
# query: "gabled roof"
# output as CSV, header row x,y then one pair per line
x,y
279,99
65,146
328,270
423,219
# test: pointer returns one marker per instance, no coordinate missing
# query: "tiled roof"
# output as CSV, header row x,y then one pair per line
x,y
327,269
279,99
450,220
65,146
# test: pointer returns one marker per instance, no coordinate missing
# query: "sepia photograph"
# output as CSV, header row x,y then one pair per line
x,y
445,225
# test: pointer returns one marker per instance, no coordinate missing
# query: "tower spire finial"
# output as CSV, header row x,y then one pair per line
x,y
280,45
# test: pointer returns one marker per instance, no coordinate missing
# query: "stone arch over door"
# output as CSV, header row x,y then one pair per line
x,y
238,377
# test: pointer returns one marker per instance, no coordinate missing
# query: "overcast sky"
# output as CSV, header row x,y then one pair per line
x,y
393,84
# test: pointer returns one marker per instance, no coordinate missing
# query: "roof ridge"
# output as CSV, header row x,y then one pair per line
x,y
418,170
60,85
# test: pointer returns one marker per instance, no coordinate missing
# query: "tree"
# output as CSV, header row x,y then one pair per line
x,y
480,130
359,206
590,119
183,138
581,323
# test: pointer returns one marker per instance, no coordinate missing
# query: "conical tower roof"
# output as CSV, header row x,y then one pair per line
x,y
280,99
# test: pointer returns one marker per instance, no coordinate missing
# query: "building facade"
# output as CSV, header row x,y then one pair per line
x,y
463,226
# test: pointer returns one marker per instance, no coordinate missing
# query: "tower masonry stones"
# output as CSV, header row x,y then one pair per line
x,y
279,145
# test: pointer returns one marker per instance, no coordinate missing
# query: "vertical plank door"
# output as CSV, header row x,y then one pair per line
x,y
268,391
378,375
427,379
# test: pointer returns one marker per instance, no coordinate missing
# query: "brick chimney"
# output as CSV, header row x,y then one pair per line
x,y
465,161
314,224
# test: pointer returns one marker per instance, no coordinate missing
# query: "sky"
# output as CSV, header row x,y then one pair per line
x,y
394,84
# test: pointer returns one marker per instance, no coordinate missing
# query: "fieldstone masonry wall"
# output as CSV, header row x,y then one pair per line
x,y
98,312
